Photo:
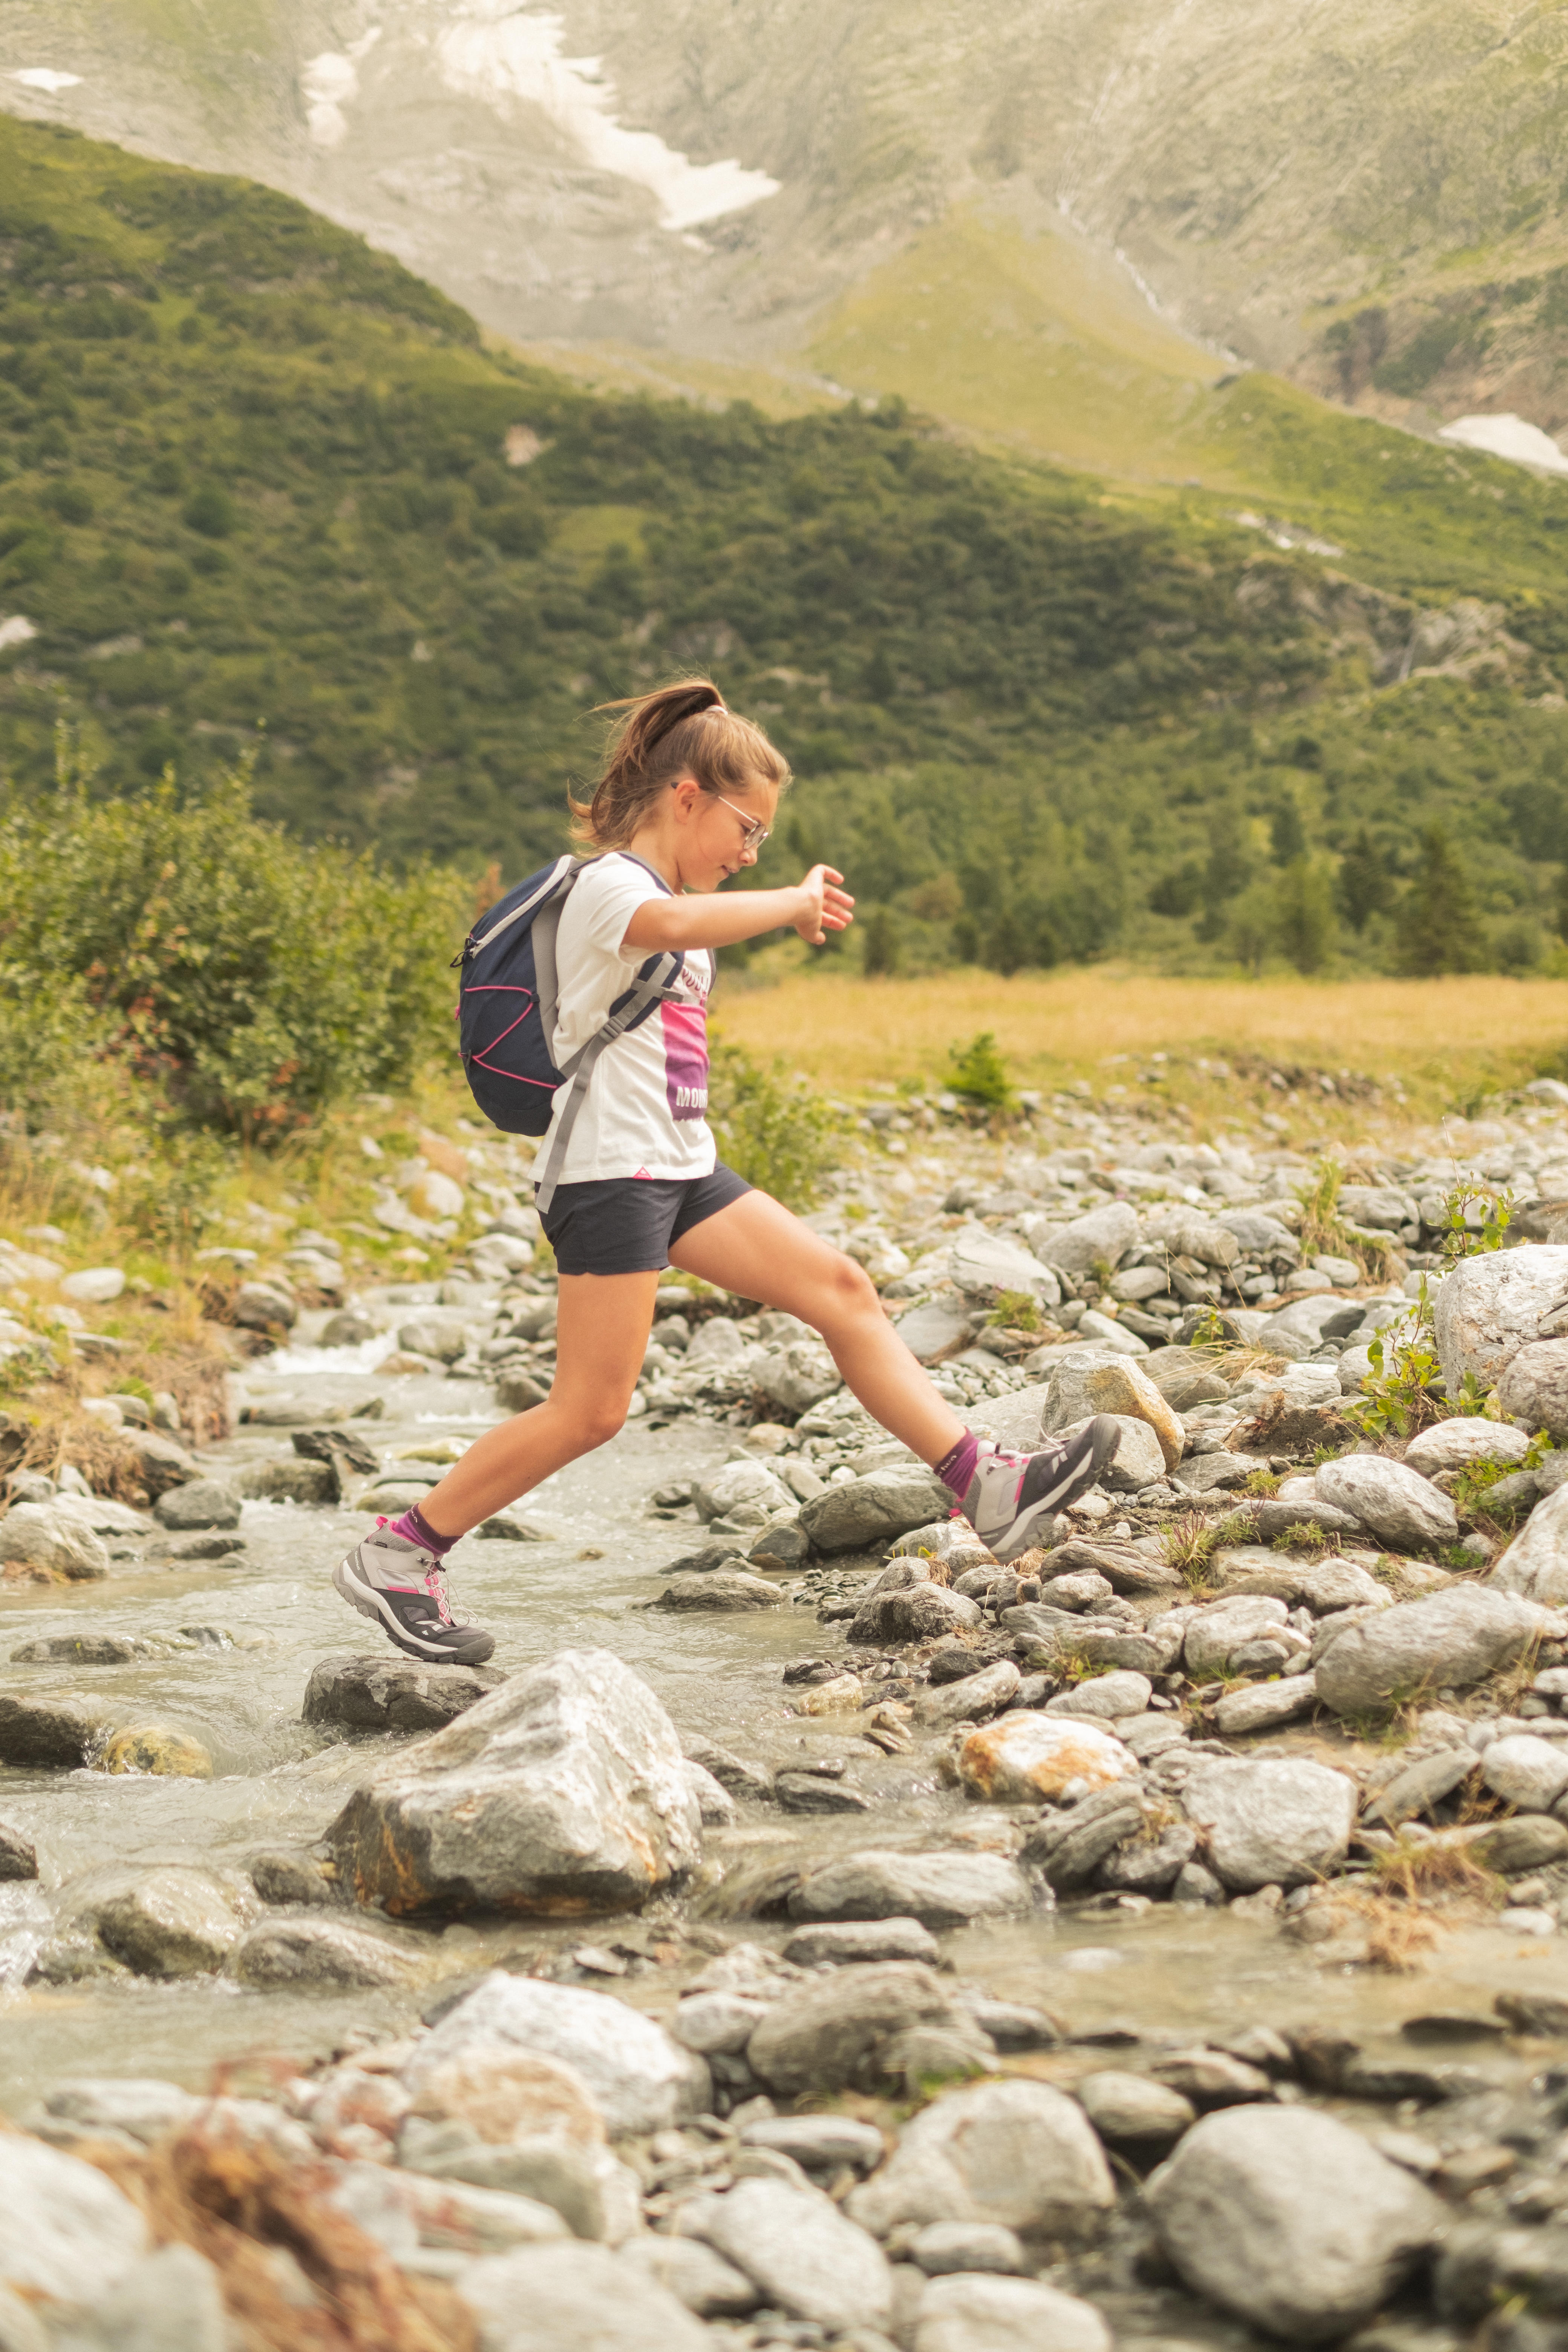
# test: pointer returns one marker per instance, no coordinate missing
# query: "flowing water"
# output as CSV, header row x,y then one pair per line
x,y
1174,1972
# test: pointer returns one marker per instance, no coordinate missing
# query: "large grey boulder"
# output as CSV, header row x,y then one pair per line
x,y
1277,1821
984,1266
919,1611
64,2227
866,1511
829,2033
1139,1458
1289,2220
438,1335
966,2312
56,1543
64,1727
1533,1391
1400,1507
569,2297
940,1890
1445,1641
641,2079
1083,1385
1536,1562
200,1502
171,1922
563,1791
384,1694
1017,2153
1490,1307
1104,1237
796,2247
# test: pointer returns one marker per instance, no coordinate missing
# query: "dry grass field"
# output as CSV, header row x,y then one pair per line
x,y
1442,1045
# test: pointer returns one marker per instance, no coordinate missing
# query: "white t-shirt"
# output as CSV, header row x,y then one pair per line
x,y
644,1111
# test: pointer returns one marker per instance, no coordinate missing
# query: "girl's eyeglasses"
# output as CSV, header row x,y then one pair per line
x,y
755,832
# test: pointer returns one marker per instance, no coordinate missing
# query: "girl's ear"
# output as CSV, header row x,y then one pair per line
x,y
686,792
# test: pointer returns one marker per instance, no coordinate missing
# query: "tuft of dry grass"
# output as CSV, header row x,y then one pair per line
x,y
1188,1545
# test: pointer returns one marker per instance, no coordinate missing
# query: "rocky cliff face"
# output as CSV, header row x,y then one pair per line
x,y
1367,196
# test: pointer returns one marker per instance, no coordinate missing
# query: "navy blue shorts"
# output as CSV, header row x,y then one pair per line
x,y
625,1225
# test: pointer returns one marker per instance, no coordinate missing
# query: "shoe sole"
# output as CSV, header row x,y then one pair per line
x,y
371,1602
1104,1438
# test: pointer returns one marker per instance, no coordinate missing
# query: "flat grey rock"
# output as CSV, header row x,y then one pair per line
x,y
1264,1707
1270,1822
1445,1641
202,1503
844,1942
389,1693
946,2249
819,2143
1400,1507
288,1953
1018,2153
851,1517
940,1890
796,2247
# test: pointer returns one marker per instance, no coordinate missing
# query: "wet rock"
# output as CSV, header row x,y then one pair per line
x,y
18,1857
831,2034
162,1750
307,1953
1213,2078
940,1890
1456,1445
969,1699
809,1793
1265,1705
640,2078
207,1547
1291,2220
948,2249
819,2143
1017,2153
200,1502
1275,1822
439,1337
1081,1387
1536,1562
65,1728
84,1650
563,1791
259,1306
1103,1236
163,1464
1484,2268
349,1328
797,2249
1490,1307
974,2314
733,1774
295,1479
291,1875
1070,1845
1400,1507
739,1483
914,1613
42,1537
1134,2113
866,1511
174,1922
63,2224
715,1803
724,1592
843,1942
1525,1771
564,2298
382,1694
1026,1757
1447,1641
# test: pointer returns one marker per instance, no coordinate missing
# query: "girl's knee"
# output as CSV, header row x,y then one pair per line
x,y
851,1293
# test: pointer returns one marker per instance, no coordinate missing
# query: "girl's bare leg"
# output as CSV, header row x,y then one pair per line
x,y
602,1328
756,1248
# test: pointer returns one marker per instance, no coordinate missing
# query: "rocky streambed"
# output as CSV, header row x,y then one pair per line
x,y
808,1931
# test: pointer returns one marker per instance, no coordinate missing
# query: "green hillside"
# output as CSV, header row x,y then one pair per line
x,y
260,490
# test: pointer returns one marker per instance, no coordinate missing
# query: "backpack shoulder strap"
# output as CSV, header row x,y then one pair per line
x,y
554,883
652,983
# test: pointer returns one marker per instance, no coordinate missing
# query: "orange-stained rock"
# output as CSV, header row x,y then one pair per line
x,y
1025,1757
510,2095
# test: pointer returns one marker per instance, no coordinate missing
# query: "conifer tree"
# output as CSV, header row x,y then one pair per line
x,y
880,944
1363,880
1305,904
1439,924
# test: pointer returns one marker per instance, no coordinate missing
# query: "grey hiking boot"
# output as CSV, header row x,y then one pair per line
x,y
404,1588
1012,1496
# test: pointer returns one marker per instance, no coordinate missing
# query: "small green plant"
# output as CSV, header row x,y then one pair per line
x,y
1309,1537
1188,1545
980,1074
1404,1392
1324,1232
1015,1310
1262,1483
775,1133
1458,1239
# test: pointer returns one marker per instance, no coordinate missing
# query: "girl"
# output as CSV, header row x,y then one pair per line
x,y
685,800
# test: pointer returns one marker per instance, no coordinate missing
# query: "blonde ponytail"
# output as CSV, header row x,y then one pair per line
x,y
683,730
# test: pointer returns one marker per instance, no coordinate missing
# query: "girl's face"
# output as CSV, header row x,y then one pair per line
x,y
717,836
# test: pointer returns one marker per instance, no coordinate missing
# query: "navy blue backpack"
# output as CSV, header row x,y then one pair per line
x,y
509,1003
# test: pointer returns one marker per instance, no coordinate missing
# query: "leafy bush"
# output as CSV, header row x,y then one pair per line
x,y
980,1074
249,979
777,1134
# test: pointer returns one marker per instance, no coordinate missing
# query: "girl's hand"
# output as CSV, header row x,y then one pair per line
x,y
823,906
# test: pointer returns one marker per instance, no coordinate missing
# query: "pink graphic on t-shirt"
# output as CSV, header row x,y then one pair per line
x,y
686,1060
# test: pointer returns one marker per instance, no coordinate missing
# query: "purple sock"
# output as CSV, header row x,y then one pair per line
x,y
956,1469
414,1527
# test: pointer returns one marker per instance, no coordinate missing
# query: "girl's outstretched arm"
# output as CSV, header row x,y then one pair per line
x,y
816,906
